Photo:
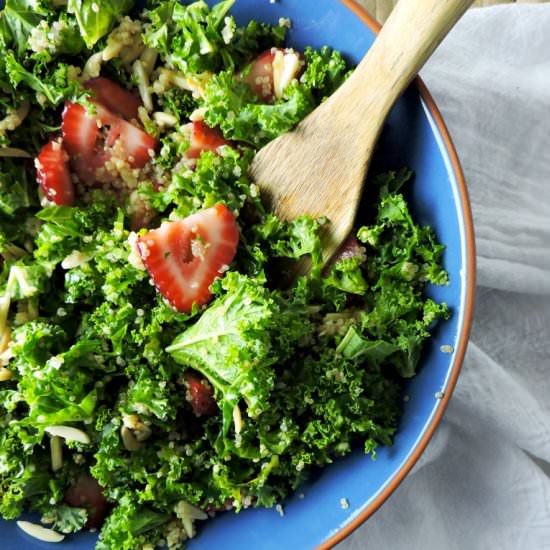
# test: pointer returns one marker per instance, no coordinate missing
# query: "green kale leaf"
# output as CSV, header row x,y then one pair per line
x,y
95,19
231,105
17,19
65,519
238,339
196,38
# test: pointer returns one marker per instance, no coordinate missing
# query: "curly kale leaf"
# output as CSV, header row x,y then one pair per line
x,y
24,471
96,20
17,190
231,105
215,179
196,38
401,257
238,339
326,70
54,383
17,20
65,519
130,526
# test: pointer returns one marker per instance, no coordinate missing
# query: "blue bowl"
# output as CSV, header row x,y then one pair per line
x,y
415,136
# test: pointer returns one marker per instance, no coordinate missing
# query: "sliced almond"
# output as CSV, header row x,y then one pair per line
x,y
75,259
198,114
56,453
68,433
92,68
129,439
148,59
14,152
187,514
5,374
278,68
237,419
285,72
165,119
39,532
143,84
184,509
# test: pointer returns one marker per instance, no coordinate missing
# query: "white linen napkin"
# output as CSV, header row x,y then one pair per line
x,y
483,483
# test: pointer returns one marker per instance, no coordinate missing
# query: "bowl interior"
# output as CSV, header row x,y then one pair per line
x,y
411,138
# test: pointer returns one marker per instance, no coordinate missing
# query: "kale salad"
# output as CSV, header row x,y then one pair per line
x,y
156,366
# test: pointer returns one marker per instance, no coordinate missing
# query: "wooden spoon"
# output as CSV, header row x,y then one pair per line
x,y
319,167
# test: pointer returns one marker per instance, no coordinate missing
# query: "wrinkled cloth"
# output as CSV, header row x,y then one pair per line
x,y
483,482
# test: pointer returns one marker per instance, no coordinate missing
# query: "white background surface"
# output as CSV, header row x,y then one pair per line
x,y
484,482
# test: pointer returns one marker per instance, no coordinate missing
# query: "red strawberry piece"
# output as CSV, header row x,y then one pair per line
x,y
135,143
201,395
185,257
350,248
272,71
52,173
260,77
82,138
87,493
80,130
91,148
204,138
114,97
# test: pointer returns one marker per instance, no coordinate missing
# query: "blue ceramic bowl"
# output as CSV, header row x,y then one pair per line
x,y
415,136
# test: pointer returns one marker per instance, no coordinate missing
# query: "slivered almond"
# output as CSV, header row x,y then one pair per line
x,y
187,514
148,59
129,439
286,68
14,152
39,532
68,433
56,453
237,419
5,374
184,509
142,78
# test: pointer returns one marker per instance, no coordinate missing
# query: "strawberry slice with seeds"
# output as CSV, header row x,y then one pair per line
x,y
260,77
82,136
204,138
52,173
201,395
89,145
272,71
185,257
135,143
80,129
114,97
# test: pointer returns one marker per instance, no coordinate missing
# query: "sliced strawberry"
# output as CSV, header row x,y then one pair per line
x,y
350,248
204,138
80,130
52,173
201,395
91,148
114,97
87,493
272,71
184,257
260,77
135,143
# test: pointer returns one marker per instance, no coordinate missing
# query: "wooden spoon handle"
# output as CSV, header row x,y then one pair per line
x,y
412,32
